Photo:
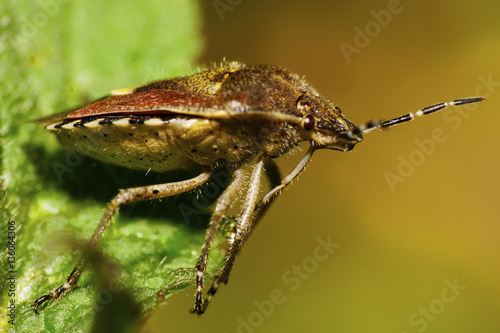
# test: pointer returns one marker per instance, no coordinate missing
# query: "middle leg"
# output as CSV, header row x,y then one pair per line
x,y
243,228
222,205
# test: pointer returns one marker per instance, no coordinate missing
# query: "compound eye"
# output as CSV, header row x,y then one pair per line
x,y
308,123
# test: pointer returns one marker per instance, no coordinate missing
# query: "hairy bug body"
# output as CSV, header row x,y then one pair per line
x,y
229,115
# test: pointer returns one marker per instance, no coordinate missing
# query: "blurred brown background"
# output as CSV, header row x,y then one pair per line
x,y
422,256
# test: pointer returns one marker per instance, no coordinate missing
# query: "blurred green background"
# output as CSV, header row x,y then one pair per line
x,y
402,248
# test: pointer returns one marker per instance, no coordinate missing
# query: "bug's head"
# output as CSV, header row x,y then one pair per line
x,y
324,124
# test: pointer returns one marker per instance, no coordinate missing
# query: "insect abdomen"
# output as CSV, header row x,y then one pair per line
x,y
155,143
132,142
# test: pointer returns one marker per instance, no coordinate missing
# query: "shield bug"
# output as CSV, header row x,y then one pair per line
x,y
230,115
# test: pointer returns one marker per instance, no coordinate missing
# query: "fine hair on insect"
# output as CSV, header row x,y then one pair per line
x,y
231,115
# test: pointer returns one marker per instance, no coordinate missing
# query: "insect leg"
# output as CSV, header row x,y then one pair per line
x,y
274,178
123,197
244,225
223,203
273,193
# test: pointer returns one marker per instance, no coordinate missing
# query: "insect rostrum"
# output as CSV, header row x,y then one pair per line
x,y
230,115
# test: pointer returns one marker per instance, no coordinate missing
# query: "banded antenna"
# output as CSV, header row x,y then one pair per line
x,y
374,124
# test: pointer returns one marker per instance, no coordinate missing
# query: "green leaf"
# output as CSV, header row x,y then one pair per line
x,y
56,55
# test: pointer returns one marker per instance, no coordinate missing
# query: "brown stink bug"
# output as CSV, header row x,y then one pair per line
x,y
229,115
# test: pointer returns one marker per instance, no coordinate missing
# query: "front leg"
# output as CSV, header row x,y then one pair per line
x,y
270,196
